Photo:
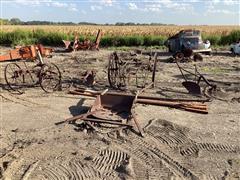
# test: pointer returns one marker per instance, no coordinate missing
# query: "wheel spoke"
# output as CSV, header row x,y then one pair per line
x,y
50,78
13,77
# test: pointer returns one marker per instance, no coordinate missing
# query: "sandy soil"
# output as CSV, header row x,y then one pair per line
x,y
177,144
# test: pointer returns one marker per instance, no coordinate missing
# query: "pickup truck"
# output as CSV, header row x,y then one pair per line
x,y
188,39
235,48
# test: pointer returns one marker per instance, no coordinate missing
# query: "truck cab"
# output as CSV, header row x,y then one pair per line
x,y
188,39
235,48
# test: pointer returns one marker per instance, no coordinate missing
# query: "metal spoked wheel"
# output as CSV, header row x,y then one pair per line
x,y
142,75
116,74
14,77
50,78
31,75
179,56
112,72
34,75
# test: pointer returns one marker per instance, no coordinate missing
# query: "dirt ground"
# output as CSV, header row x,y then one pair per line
x,y
177,144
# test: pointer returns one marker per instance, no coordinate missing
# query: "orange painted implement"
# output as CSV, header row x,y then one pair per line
x,y
26,52
85,45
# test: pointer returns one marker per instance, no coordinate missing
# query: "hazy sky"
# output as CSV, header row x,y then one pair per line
x,y
216,12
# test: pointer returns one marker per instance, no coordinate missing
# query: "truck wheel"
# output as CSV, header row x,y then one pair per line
x,y
233,53
169,49
208,53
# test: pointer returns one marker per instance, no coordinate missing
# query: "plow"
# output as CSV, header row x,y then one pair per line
x,y
193,86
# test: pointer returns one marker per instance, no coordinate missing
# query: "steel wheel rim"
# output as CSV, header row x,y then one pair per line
x,y
50,78
14,78
113,72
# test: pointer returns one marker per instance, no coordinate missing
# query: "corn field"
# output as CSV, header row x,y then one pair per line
x,y
112,35
89,30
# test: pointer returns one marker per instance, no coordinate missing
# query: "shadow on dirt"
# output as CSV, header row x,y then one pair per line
x,y
169,93
79,109
4,86
222,53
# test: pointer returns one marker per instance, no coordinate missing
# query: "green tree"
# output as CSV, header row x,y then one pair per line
x,y
4,21
15,21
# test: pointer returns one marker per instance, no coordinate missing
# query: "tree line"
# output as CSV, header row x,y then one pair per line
x,y
17,21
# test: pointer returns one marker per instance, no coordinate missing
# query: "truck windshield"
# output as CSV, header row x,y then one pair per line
x,y
191,40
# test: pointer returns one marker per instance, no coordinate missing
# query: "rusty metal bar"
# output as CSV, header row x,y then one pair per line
x,y
188,105
172,104
195,108
105,122
154,70
133,114
75,118
94,94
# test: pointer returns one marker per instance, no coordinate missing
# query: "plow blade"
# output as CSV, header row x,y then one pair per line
x,y
192,87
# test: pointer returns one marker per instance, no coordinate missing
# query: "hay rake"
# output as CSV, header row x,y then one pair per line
x,y
120,71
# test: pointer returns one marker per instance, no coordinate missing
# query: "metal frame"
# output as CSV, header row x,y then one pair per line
x,y
120,71
193,87
48,76
85,45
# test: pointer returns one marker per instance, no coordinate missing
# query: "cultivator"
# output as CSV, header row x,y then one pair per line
x,y
120,71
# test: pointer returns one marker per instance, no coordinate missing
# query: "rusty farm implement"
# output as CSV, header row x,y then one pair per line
x,y
26,52
77,45
47,75
121,71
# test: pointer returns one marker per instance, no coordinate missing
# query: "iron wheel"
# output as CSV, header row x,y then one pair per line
x,y
50,78
14,77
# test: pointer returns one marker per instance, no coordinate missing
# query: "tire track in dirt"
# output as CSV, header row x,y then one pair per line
x,y
140,170
148,161
29,170
108,160
211,147
218,147
73,169
19,100
11,153
172,137
5,151
85,171
145,152
175,137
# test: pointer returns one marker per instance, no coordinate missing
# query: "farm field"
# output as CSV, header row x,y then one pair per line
x,y
89,30
177,145
120,90
112,35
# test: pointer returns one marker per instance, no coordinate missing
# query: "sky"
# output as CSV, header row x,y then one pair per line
x,y
180,12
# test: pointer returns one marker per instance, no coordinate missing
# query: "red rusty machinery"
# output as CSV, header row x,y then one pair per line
x,y
77,45
26,52
120,71
47,75
118,109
